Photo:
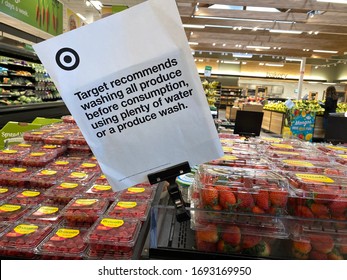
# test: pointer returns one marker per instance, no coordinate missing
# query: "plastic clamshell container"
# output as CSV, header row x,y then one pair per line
x,y
56,139
137,210
333,149
113,236
11,156
24,146
35,136
253,235
318,196
138,192
63,192
64,243
15,176
58,150
279,155
318,243
45,213
46,178
22,238
77,139
31,197
12,212
234,160
313,167
101,180
228,189
62,163
83,212
341,159
101,191
7,192
37,158
88,166
79,149
80,177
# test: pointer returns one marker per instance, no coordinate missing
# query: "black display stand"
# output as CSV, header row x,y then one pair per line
x,y
170,174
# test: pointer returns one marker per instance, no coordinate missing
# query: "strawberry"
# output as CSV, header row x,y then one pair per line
x,y
335,255
245,201
278,198
338,208
257,210
209,196
249,241
232,235
209,234
262,249
322,243
301,249
227,200
303,211
262,199
320,211
224,247
315,255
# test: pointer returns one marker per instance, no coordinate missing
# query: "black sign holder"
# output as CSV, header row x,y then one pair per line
x,y
169,174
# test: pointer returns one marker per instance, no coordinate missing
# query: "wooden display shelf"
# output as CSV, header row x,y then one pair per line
x,y
273,121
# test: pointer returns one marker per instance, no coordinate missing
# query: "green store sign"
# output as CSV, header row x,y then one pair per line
x,y
46,15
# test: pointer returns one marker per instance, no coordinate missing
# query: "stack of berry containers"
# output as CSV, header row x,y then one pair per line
x,y
31,197
57,150
63,192
242,234
45,212
7,192
83,212
16,176
46,178
98,190
12,212
78,145
37,158
318,196
312,167
237,160
21,239
129,209
112,238
63,243
139,192
11,157
231,189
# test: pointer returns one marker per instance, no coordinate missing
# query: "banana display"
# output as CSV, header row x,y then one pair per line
x,y
304,105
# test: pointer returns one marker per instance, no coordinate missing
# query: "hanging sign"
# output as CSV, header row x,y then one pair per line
x,y
131,84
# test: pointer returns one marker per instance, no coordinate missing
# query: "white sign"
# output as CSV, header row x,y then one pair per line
x,y
131,84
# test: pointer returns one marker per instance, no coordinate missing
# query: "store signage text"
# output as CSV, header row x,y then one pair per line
x,y
276,75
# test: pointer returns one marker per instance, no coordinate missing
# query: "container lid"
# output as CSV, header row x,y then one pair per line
x,y
185,180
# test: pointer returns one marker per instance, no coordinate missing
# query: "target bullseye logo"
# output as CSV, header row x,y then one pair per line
x,y
67,59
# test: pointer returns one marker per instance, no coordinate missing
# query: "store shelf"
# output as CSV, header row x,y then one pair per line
x,y
28,112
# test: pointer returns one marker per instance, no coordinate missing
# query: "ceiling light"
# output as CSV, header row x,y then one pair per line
x,y
224,45
80,16
285,31
193,43
293,59
213,44
243,55
231,62
236,19
274,64
199,26
258,47
325,51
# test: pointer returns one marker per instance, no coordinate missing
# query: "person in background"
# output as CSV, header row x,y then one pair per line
x,y
330,104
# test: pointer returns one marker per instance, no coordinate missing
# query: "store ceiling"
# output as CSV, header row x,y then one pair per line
x,y
245,27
